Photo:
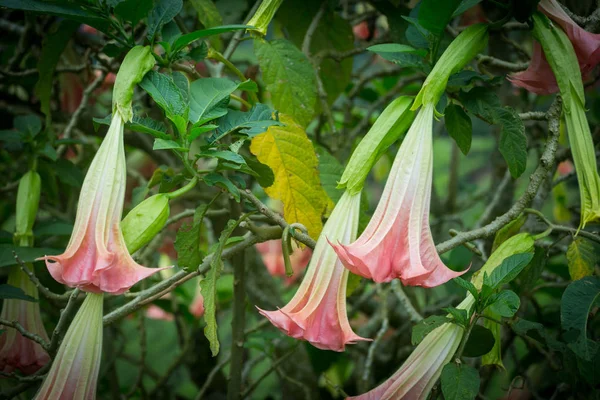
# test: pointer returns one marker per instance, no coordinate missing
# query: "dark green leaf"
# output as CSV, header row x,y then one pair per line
x,y
68,173
481,102
66,10
533,271
467,286
505,303
467,77
188,240
163,12
223,155
183,84
464,6
165,144
575,306
214,179
165,93
209,98
427,325
459,315
459,382
199,52
11,292
264,173
149,126
184,40
513,142
133,10
401,54
416,35
53,228
25,254
52,48
480,342
251,123
508,270
290,78
209,289
29,124
434,15
458,124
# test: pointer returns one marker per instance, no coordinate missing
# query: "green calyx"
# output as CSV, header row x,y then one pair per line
x,y
137,62
145,221
391,124
28,199
462,50
263,16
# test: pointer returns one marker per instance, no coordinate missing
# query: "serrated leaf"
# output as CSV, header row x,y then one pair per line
x,y
513,142
209,98
581,258
481,102
575,306
508,270
290,78
481,341
209,288
187,241
505,303
165,93
458,124
52,48
467,286
163,12
12,292
459,382
427,325
290,154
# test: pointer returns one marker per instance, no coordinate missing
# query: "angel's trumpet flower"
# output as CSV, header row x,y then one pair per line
x,y
74,371
397,243
538,78
16,351
317,313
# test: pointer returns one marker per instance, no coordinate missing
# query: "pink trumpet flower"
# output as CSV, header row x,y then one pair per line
x,y
317,313
397,243
539,78
74,371
421,370
96,259
16,351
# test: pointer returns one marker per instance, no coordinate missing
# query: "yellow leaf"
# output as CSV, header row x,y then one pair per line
x,y
581,259
291,156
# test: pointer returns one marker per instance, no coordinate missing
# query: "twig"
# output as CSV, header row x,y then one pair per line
x,y
533,116
413,314
312,28
268,372
382,330
546,163
562,228
211,376
57,334
41,288
25,333
496,62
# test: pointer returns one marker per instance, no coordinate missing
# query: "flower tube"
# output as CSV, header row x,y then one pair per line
x,y
397,242
16,351
317,313
74,371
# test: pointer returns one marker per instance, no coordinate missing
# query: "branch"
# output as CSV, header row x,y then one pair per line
x,y
496,62
41,288
535,181
25,333
57,334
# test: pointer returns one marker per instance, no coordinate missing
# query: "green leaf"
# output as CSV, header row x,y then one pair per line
x,y
223,155
163,12
424,327
480,342
133,10
581,258
508,269
214,179
165,93
467,77
467,286
30,125
509,230
250,123
264,173
481,102
66,10
533,271
52,48
513,142
434,15
575,306
165,144
184,40
11,292
25,254
208,13
209,288
416,35
330,173
188,241
400,54
137,62
209,98
182,82
290,78
464,6
458,124
459,315
196,131
149,126
505,303
68,173
459,382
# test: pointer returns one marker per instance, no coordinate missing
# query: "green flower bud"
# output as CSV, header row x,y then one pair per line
x,y
137,62
145,221
28,199
263,16
462,50
393,122
563,60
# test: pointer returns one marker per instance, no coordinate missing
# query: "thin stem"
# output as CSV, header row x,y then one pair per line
x,y
181,191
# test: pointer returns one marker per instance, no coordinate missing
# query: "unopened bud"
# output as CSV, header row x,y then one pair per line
x,y
28,199
145,221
